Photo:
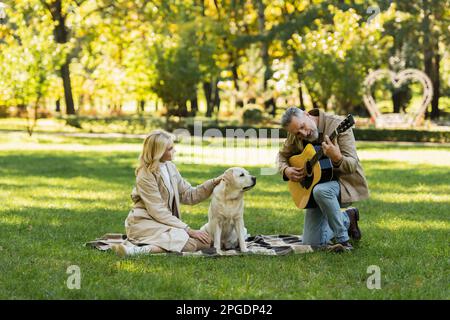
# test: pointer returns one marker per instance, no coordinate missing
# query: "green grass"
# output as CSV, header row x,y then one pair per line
x,y
54,200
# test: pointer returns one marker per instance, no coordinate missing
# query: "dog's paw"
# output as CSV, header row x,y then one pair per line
x,y
244,250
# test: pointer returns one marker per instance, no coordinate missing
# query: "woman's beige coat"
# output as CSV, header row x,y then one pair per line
x,y
153,220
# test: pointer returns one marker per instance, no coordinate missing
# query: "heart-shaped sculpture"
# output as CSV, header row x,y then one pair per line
x,y
397,79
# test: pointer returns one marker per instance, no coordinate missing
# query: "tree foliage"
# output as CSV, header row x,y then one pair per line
x,y
99,55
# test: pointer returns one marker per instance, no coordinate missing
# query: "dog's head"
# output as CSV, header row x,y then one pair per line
x,y
239,179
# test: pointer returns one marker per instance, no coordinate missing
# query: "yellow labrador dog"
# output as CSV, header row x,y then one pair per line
x,y
226,210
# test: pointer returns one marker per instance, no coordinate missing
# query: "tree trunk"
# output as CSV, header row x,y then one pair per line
x,y
140,106
61,33
428,52
207,88
270,103
58,105
298,65
264,44
396,100
216,96
32,123
300,93
167,125
239,102
181,109
82,103
65,75
314,102
400,98
436,84
194,106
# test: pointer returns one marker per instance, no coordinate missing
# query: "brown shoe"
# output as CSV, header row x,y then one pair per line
x,y
340,247
353,231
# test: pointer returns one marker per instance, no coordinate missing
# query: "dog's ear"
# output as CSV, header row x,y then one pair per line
x,y
228,176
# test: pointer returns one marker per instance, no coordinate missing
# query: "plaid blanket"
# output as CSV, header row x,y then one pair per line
x,y
273,245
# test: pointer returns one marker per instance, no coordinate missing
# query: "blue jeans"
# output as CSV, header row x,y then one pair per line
x,y
326,221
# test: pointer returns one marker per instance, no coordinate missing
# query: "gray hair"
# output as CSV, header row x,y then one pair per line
x,y
286,118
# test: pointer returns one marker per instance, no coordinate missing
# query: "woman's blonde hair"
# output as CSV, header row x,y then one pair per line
x,y
155,144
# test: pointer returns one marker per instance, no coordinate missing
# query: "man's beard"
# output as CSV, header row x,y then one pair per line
x,y
313,136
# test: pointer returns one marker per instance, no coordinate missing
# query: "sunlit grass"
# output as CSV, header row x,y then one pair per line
x,y
54,200
49,125
396,224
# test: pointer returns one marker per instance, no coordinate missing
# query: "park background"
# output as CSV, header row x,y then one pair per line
x,y
82,82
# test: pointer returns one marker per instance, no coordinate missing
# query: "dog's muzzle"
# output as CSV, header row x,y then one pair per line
x,y
252,185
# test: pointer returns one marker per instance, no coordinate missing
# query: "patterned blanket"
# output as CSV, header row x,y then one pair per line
x,y
273,245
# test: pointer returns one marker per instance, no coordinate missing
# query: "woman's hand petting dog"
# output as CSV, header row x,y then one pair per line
x,y
217,180
199,235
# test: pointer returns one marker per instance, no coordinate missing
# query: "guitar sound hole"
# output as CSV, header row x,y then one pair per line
x,y
308,169
307,181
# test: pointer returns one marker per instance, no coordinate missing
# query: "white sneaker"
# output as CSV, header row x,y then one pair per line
x,y
119,249
123,251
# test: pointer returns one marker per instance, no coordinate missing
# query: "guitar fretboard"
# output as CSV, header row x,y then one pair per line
x,y
319,154
343,126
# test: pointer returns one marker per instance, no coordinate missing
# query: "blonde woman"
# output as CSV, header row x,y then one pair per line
x,y
154,224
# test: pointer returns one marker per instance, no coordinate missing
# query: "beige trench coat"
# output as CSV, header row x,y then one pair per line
x,y
153,220
350,174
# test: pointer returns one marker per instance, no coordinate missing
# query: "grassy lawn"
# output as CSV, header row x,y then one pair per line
x,y
58,193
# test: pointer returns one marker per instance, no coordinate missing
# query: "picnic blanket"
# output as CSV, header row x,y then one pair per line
x,y
273,245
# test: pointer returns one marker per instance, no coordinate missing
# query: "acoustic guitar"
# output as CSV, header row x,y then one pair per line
x,y
317,166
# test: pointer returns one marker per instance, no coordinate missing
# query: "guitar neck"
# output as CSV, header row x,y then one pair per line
x,y
319,153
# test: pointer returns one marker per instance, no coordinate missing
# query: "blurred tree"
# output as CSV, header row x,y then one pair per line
x,y
272,53
420,30
177,72
27,61
209,50
335,57
61,11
